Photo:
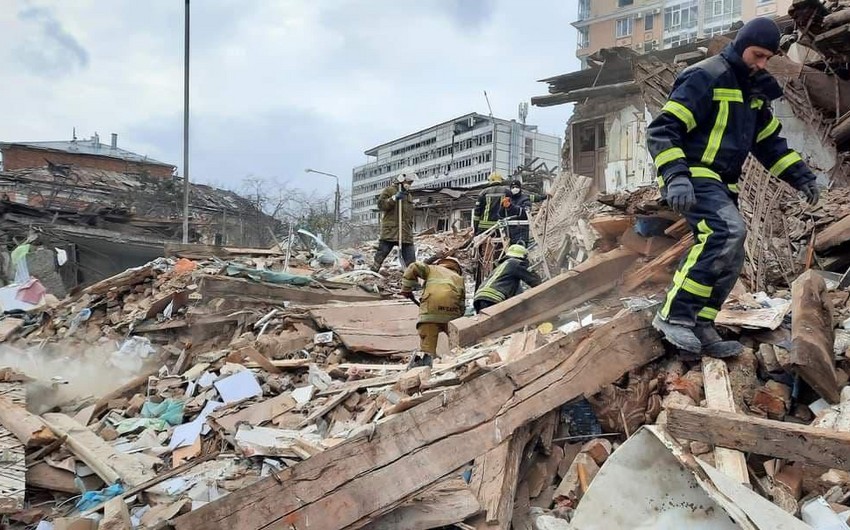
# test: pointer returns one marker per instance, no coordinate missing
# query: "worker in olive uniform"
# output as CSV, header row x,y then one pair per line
x,y
716,115
443,300
505,280
396,205
489,203
517,205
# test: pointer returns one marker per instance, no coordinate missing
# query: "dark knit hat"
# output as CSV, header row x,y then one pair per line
x,y
761,32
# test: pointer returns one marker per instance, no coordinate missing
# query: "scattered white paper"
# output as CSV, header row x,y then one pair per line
x,y
61,256
323,338
206,380
190,389
238,386
186,434
303,395
818,406
44,525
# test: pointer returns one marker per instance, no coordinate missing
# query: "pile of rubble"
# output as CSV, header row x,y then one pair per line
x,y
240,400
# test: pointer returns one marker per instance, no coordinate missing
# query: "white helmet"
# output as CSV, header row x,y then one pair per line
x,y
406,175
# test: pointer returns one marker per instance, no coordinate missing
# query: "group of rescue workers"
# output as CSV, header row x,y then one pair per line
x,y
443,296
717,114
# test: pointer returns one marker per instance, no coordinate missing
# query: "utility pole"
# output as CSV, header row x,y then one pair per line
x,y
336,205
186,129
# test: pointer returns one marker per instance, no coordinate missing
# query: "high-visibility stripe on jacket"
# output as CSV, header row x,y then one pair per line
x,y
504,281
444,296
716,115
487,207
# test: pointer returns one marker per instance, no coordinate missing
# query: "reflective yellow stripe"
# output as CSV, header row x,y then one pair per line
x,y
734,188
705,173
660,180
668,155
682,112
693,255
728,94
768,129
708,313
439,281
488,293
756,103
716,137
691,286
784,163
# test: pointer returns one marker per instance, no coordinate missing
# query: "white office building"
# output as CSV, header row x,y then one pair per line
x,y
457,153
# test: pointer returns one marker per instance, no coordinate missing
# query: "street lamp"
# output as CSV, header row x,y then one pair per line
x,y
336,204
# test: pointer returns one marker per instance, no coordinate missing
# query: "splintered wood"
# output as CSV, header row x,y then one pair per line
x,y
413,450
768,244
556,222
13,469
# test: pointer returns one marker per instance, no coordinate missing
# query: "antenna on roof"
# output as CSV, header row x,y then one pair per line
x,y
488,104
73,134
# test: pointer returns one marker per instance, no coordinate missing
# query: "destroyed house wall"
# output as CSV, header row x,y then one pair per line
x,y
152,205
19,157
622,160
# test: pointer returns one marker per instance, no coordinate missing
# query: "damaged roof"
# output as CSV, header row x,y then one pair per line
x,y
92,146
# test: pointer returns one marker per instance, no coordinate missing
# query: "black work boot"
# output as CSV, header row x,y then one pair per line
x,y
679,336
713,344
420,359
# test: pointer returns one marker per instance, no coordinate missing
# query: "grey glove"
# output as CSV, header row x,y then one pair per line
x,y
680,193
811,191
400,195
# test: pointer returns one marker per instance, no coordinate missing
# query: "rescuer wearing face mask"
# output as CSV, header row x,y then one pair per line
x,y
517,204
396,205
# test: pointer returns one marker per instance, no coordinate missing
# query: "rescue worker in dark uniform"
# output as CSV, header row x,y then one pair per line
x,y
393,197
716,115
488,204
443,300
517,204
505,280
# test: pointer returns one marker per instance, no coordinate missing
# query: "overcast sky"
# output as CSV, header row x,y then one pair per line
x,y
276,85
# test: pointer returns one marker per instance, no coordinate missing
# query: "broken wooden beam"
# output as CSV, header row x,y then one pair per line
x,y
27,427
833,235
812,336
494,479
635,279
718,396
359,480
237,288
592,278
800,443
95,452
447,501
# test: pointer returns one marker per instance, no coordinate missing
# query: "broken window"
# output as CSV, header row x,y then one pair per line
x,y
583,38
624,27
648,22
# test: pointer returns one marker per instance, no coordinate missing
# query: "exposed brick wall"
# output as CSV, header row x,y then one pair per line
x,y
22,158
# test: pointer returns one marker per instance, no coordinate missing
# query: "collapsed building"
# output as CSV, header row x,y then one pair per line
x,y
268,388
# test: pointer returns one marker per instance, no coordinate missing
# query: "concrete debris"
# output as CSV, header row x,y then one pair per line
x,y
219,387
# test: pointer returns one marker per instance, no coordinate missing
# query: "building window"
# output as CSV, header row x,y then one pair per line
x,y
583,9
681,16
624,3
583,37
648,22
624,27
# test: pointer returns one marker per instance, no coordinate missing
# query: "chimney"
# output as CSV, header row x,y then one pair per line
x,y
96,140
115,140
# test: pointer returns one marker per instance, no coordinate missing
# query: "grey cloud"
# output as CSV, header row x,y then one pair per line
x,y
472,14
50,49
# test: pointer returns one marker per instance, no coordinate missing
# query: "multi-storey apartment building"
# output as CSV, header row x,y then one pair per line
x,y
646,25
460,152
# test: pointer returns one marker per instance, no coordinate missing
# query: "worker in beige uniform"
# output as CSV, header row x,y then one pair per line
x,y
443,300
